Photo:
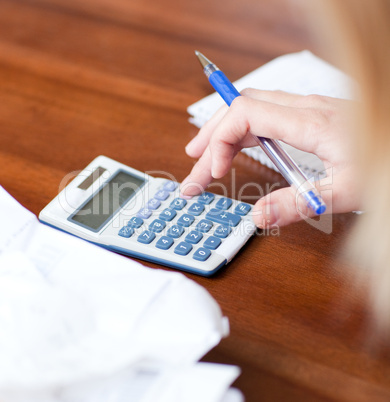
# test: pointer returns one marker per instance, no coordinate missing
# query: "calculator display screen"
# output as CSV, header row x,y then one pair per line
x,y
99,209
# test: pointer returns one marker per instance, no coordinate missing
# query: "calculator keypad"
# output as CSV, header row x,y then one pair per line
x,y
198,226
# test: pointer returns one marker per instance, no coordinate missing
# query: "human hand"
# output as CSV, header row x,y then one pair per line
x,y
316,124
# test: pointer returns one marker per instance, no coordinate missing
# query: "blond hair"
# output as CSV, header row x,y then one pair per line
x,y
358,32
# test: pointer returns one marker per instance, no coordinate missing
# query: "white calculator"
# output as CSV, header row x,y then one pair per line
x,y
130,212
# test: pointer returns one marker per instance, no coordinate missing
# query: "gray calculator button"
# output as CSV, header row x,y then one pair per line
x,y
183,248
153,204
170,186
135,222
144,213
223,217
196,209
185,220
224,203
222,231
175,231
201,254
178,203
161,195
146,237
206,198
204,226
126,231
194,237
164,243
157,225
168,214
212,243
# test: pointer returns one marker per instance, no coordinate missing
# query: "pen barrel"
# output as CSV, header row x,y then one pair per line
x,y
292,173
223,86
286,166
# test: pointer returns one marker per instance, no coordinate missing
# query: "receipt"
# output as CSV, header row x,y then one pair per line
x,y
76,319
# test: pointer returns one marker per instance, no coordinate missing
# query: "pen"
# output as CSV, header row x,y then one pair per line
x,y
287,167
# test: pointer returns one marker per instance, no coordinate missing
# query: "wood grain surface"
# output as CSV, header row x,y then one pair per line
x,y
114,77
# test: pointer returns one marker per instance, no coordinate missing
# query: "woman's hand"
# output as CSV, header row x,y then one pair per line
x,y
315,124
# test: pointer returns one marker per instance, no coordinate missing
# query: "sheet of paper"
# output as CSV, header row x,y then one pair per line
x,y
76,319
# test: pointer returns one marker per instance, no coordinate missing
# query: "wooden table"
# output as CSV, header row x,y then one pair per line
x,y
114,77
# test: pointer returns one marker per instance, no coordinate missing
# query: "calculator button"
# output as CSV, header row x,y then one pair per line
x,y
126,231
146,237
201,254
223,217
223,203
178,203
242,209
135,222
170,186
168,214
185,220
161,195
175,231
222,231
144,213
196,209
153,204
206,198
183,248
164,242
204,226
194,237
157,225
212,243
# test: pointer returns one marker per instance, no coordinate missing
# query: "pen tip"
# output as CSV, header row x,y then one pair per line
x,y
204,61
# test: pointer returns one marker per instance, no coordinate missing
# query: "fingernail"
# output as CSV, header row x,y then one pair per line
x,y
188,188
186,197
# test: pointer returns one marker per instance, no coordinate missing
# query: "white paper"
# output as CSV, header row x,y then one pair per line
x,y
81,324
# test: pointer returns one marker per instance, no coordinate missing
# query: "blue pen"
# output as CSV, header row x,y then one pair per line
x,y
287,167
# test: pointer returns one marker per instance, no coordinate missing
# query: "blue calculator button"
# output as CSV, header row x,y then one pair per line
x,y
223,203
223,217
196,209
144,213
178,203
170,186
135,222
168,214
161,195
222,231
204,226
153,204
212,243
157,225
164,242
185,220
126,231
194,237
175,231
206,198
201,254
242,209
146,237
183,248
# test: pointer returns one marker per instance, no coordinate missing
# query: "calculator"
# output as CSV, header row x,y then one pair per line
x,y
133,213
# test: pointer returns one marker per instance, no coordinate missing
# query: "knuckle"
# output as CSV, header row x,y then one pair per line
x,y
238,104
250,92
310,101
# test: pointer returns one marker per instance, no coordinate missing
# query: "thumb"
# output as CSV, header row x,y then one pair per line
x,y
282,207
